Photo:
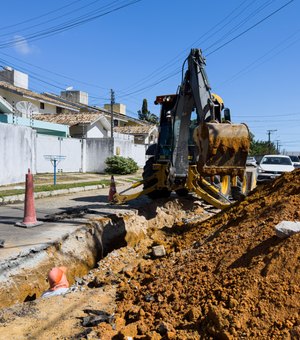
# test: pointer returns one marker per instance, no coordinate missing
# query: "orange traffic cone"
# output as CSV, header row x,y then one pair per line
x,y
112,189
29,220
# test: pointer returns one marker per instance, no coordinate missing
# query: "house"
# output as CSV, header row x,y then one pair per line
x,y
70,108
143,134
14,89
119,110
18,105
82,124
40,103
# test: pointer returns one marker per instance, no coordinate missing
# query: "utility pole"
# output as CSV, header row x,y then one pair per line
x,y
112,102
269,138
277,145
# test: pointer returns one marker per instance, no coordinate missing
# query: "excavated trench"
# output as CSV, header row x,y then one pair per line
x,y
24,278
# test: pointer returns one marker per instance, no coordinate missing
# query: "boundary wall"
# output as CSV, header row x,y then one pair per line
x,y
22,148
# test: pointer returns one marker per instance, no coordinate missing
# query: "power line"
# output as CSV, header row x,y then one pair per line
x,y
275,115
253,65
251,27
241,23
39,16
49,20
171,74
217,49
64,27
210,32
55,73
168,76
59,86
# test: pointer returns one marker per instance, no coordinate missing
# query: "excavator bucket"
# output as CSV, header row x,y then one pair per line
x,y
223,148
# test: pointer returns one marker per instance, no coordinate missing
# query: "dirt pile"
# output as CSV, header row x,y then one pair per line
x,y
226,278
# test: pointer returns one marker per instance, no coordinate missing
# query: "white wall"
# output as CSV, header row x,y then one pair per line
x,y
22,148
139,154
96,130
51,145
126,148
97,150
17,153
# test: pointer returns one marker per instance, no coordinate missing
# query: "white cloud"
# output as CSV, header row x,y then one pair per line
x,y
21,45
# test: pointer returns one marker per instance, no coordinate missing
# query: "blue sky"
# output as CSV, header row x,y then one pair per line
x,y
138,51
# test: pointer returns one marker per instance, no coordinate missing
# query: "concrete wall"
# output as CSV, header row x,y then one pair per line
x,y
97,150
126,148
17,153
96,130
15,77
75,96
51,145
139,154
22,148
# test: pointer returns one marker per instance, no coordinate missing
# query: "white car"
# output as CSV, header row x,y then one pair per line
x,y
272,166
295,161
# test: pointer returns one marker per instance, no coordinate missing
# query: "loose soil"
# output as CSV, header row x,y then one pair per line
x,y
228,277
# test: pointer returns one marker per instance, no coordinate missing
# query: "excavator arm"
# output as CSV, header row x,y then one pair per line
x,y
194,94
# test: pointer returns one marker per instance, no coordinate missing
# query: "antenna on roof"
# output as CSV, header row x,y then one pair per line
x,y
27,108
69,88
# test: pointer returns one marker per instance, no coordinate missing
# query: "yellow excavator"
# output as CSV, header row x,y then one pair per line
x,y
199,149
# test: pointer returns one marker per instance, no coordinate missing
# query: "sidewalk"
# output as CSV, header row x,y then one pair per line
x,y
65,178
21,241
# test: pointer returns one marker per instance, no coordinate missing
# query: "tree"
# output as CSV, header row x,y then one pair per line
x,y
145,114
258,147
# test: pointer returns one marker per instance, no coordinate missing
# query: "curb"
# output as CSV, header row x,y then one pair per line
x,y
20,198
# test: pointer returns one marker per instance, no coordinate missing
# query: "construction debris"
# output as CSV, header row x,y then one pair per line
x,y
287,228
158,251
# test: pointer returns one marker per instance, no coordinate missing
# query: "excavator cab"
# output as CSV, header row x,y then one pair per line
x,y
164,145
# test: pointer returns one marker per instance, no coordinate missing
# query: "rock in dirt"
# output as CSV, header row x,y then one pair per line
x,y
287,228
95,317
159,251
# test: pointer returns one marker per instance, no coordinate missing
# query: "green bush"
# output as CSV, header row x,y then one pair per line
x,y
120,165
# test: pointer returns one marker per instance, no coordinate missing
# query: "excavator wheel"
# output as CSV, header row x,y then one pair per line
x,y
217,194
148,172
223,182
239,191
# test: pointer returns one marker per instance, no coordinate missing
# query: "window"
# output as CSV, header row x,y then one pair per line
x,y
58,109
42,106
277,160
